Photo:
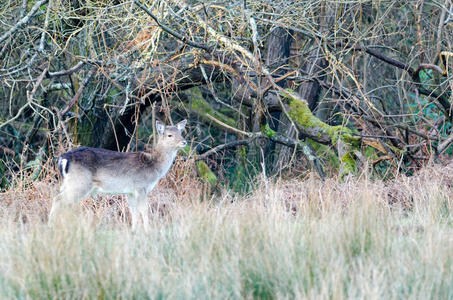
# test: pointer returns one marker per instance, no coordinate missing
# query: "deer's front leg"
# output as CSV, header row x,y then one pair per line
x,y
142,207
132,201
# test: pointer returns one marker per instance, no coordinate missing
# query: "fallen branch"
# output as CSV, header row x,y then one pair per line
x,y
444,145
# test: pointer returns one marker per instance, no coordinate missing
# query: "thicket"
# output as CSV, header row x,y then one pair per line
x,y
279,87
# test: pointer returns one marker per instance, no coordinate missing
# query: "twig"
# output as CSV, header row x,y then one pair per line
x,y
74,69
29,98
213,94
226,126
444,145
18,68
431,67
23,8
7,150
127,93
450,13
376,136
79,92
171,31
44,29
386,59
224,146
23,21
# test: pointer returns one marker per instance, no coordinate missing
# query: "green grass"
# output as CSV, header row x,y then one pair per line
x,y
339,240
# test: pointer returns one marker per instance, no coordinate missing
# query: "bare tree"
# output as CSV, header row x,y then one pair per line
x,y
285,77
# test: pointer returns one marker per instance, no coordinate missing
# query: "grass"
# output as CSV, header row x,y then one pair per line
x,y
306,239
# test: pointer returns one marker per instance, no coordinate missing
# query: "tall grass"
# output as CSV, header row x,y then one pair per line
x,y
310,239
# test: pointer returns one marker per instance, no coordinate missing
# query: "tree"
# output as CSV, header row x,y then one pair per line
x,y
370,80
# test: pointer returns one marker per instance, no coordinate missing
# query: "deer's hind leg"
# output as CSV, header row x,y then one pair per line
x,y
138,205
142,207
77,185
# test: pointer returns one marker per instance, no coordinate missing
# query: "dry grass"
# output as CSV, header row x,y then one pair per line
x,y
310,239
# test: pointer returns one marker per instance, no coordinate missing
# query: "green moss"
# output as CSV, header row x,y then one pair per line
x,y
370,153
348,137
202,107
397,150
300,112
326,153
348,165
302,115
205,173
186,150
267,131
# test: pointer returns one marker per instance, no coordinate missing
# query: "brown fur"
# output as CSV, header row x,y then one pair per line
x,y
88,171
120,162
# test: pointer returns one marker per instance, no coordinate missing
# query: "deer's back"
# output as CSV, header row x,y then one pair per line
x,y
104,166
95,158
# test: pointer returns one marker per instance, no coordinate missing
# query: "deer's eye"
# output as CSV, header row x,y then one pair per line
x,y
169,135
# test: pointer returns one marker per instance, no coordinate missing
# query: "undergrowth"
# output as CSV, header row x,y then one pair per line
x,y
287,239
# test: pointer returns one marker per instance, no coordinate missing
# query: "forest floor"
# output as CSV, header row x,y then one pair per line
x,y
287,239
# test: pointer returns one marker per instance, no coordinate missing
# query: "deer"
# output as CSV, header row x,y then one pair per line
x,y
91,171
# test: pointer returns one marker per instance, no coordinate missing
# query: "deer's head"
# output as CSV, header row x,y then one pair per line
x,y
170,137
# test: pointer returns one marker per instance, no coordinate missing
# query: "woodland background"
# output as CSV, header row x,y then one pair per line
x,y
282,87
319,157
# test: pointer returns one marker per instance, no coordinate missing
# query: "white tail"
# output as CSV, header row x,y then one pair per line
x,y
88,171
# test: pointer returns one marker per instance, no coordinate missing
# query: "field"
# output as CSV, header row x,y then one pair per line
x,y
287,239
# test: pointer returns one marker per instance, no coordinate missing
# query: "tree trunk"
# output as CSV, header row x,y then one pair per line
x,y
278,51
310,90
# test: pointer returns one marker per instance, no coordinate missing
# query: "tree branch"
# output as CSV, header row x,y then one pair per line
x,y
441,97
23,21
224,146
74,69
79,92
444,145
171,31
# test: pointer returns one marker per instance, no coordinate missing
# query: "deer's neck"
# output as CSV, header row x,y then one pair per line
x,y
164,157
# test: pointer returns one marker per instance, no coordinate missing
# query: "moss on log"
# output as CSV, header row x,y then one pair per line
x,y
206,173
203,108
340,137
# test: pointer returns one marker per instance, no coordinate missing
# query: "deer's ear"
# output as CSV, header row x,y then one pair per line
x,y
160,127
181,125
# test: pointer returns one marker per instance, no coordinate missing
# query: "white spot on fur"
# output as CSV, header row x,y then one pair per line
x,y
63,162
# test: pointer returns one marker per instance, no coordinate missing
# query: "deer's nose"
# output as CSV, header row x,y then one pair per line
x,y
184,143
